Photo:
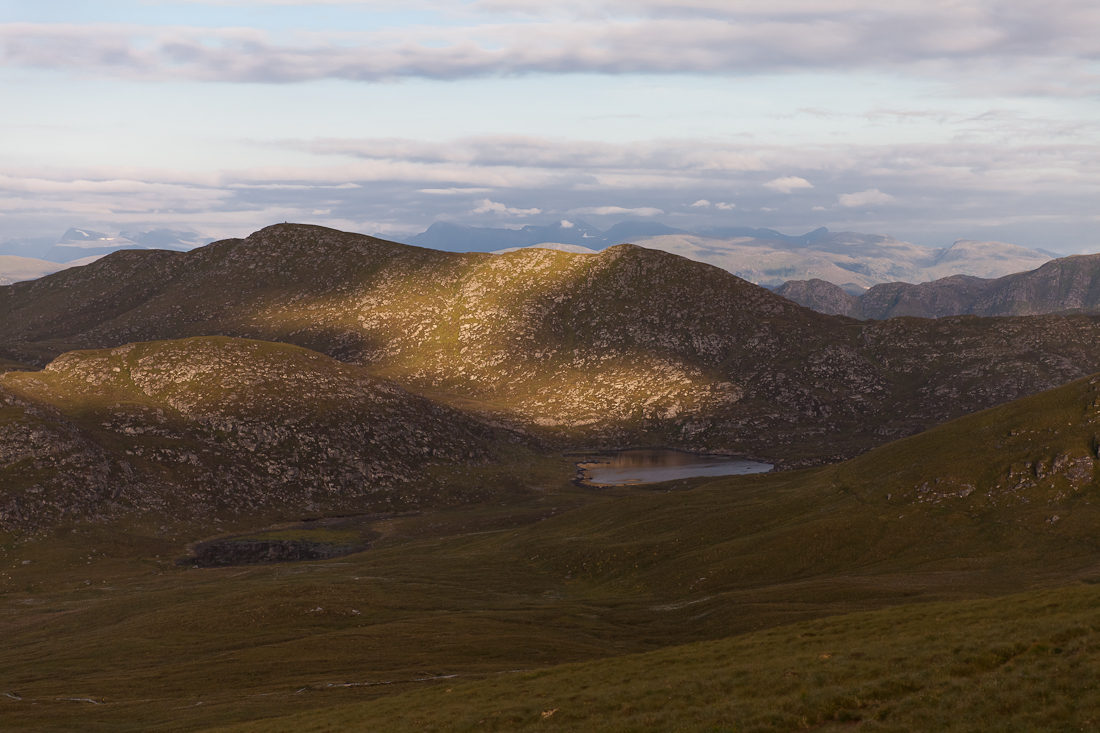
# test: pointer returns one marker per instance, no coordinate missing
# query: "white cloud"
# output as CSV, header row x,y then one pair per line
x,y
701,203
1030,45
453,191
617,211
485,206
870,197
726,207
788,184
566,224
818,208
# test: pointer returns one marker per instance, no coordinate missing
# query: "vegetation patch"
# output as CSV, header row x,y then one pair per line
x,y
286,545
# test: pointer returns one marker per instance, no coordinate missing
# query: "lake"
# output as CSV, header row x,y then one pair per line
x,y
652,465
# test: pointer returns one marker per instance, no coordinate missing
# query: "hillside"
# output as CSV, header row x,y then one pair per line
x,y
214,426
997,503
630,346
1069,284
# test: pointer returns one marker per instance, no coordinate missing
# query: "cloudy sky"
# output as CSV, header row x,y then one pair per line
x,y
931,120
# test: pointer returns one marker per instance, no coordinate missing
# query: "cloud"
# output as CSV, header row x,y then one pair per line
x,y
617,211
566,224
453,191
819,208
788,184
701,203
485,206
870,197
1049,49
726,207
1031,193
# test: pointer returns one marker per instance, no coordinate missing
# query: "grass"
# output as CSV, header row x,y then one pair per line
x,y
1025,662
762,574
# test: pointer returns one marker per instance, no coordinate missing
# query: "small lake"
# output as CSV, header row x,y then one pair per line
x,y
653,465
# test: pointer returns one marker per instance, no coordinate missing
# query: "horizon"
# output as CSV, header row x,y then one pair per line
x,y
930,122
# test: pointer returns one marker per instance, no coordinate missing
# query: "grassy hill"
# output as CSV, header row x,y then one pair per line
x,y
627,347
1001,502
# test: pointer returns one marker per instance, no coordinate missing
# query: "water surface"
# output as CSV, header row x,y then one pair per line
x,y
652,465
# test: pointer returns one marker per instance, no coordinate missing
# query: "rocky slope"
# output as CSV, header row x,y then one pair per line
x,y
630,346
208,425
1063,285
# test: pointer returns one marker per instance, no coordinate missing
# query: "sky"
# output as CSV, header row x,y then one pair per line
x,y
930,120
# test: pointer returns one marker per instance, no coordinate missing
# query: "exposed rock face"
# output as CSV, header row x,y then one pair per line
x,y
1064,285
216,424
630,346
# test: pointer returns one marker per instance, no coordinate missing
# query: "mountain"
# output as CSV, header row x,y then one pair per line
x,y
763,256
764,234
16,269
448,237
78,244
851,260
628,347
1068,284
573,248
167,239
215,425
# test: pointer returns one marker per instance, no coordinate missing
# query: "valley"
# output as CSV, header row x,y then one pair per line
x,y
311,480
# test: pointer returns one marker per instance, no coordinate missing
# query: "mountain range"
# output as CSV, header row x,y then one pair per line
x,y
762,256
80,244
177,425
1068,284
627,347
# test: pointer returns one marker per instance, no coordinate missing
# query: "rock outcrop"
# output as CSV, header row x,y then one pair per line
x,y
206,425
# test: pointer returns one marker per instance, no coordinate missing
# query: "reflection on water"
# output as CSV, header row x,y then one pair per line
x,y
652,465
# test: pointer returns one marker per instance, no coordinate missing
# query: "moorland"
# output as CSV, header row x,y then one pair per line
x,y
925,558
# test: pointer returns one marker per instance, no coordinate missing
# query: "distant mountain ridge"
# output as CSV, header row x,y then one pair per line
x,y
448,237
78,244
1068,284
853,260
15,269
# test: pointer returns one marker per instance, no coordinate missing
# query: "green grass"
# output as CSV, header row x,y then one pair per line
x,y
1026,662
561,575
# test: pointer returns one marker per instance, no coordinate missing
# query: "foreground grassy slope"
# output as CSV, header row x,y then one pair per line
x,y
627,346
1025,662
964,511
